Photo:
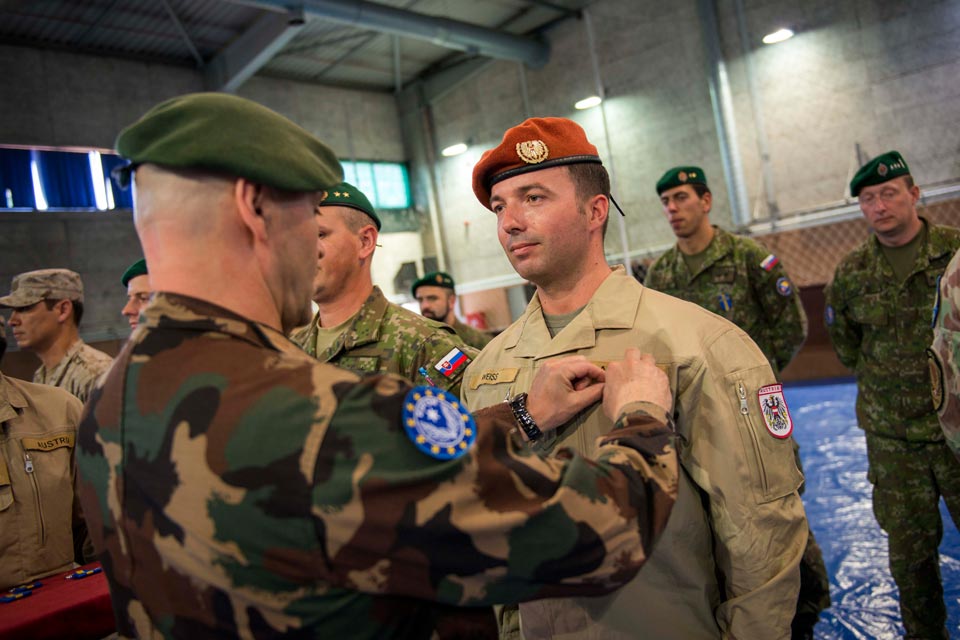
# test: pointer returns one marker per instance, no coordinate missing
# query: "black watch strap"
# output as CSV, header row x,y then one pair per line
x,y
519,406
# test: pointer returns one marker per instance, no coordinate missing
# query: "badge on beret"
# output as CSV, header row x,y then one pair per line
x,y
784,287
882,169
829,316
533,151
773,407
437,423
682,176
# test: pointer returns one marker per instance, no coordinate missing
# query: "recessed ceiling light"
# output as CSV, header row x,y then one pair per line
x,y
454,150
777,36
587,103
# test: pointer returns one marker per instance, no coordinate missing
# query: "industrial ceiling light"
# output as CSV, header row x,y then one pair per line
x,y
454,150
588,103
777,36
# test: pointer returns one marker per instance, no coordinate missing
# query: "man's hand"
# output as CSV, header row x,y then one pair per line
x,y
636,378
561,389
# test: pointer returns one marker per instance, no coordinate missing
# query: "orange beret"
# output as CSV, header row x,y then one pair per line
x,y
535,144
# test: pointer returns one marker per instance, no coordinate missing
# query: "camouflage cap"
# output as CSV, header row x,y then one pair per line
x,y
679,176
44,284
347,195
433,279
138,268
222,132
532,145
884,167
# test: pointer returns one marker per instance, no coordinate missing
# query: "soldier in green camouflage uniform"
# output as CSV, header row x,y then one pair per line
x,y
236,487
47,308
737,278
356,327
944,355
878,314
434,292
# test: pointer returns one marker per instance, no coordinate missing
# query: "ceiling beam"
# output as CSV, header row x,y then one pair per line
x,y
254,48
444,32
183,33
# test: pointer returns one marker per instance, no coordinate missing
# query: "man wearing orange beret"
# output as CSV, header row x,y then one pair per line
x,y
727,564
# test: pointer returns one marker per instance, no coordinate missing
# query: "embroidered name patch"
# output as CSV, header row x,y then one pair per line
x,y
50,443
773,407
437,423
494,376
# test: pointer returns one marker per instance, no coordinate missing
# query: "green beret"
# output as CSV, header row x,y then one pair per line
x,y
680,176
433,279
347,195
138,268
884,167
221,132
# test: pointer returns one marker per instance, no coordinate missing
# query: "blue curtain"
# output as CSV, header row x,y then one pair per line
x,y
66,179
15,176
122,198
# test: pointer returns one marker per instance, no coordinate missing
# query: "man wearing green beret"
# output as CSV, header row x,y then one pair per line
x,y
235,486
356,327
47,309
878,312
737,278
434,292
137,282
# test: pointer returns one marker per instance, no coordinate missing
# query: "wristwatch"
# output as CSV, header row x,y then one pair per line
x,y
519,406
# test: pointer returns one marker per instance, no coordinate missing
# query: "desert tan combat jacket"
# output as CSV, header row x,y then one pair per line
x,y
727,564
881,329
39,515
77,371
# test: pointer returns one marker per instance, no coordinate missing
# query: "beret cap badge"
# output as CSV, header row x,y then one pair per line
x,y
882,169
533,151
682,176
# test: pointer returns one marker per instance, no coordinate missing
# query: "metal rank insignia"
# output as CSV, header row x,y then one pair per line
x,y
437,423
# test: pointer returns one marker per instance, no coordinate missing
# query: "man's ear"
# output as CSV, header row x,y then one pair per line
x,y
707,199
368,240
598,208
64,309
249,199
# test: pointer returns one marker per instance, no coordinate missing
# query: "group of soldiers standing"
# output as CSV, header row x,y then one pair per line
x,y
617,463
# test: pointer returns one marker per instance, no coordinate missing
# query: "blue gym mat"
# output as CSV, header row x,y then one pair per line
x,y
838,503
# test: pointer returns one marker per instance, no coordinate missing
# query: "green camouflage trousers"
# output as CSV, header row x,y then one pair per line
x,y
908,479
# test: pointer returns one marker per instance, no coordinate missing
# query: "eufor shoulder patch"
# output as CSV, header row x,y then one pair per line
x,y
784,287
437,423
773,407
829,315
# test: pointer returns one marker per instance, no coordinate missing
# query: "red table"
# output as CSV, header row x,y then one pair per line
x,y
61,608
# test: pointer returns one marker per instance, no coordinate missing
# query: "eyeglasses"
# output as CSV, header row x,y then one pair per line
x,y
886,196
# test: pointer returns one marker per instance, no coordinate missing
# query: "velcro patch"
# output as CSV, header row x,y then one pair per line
x,y
773,407
452,362
437,424
49,443
493,376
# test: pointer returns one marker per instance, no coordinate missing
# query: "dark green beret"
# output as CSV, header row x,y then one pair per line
x,y
222,132
347,195
884,167
138,268
679,176
433,279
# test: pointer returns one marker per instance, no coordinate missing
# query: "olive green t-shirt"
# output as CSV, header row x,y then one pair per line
x,y
326,336
903,258
555,324
695,261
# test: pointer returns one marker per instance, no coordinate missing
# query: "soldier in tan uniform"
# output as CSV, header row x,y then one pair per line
x,y
356,327
47,308
727,565
41,529
136,280
434,292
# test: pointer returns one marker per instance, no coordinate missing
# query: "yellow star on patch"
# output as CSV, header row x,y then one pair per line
x,y
336,194
346,194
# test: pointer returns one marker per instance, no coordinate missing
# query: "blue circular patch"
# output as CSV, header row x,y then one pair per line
x,y
829,316
784,287
437,423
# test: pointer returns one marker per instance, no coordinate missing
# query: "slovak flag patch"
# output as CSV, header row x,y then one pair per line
x,y
769,262
773,407
451,362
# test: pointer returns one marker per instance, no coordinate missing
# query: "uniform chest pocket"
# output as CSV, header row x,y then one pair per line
x,y
724,275
869,309
360,364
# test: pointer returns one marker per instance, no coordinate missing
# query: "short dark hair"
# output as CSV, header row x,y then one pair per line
x,y
77,309
590,179
908,179
701,189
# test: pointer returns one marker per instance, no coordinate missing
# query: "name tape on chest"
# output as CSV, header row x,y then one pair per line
x,y
437,424
49,443
773,408
493,376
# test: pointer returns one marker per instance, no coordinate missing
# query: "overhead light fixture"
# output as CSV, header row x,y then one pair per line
x,y
777,36
454,150
588,103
